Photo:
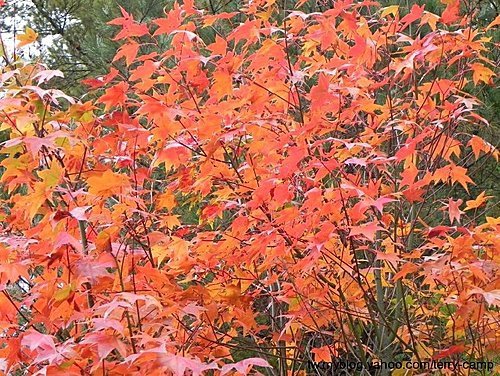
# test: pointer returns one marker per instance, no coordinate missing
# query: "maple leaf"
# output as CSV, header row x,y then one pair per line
x,y
491,297
52,176
96,270
103,242
29,36
276,127
224,84
407,150
9,270
480,73
445,353
79,213
179,365
356,161
409,174
414,14
128,51
494,23
478,145
359,47
209,19
322,354
211,212
63,238
454,211
173,155
379,203
34,144
324,234
453,173
406,269
130,28
105,343
477,202
451,13
102,80
103,324
166,200
7,310
115,95
170,221
459,174
281,193
243,366
34,340
391,257
64,293
108,183
439,231
367,230
46,75
171,22
392,9
144,72
430,19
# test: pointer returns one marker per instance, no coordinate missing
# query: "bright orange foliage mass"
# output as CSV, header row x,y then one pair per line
x,y
250,191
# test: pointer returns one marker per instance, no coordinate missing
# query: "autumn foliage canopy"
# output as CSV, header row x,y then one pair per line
x,y
250,191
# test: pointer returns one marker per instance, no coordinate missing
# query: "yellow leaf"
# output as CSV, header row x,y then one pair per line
x,y
393,9
476,203
36,199
166,200
64,293
209,20
103,242
431,19
481,73
171,221
67,364
14,166
309,47
28,37
401,372
423,351
160,252
266,15
179,247
176,250
51,176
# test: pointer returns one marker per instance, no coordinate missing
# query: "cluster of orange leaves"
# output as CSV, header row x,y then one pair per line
x,y
316,153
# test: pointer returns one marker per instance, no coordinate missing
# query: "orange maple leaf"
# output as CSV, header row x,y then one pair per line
x,y
29,36
108,183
